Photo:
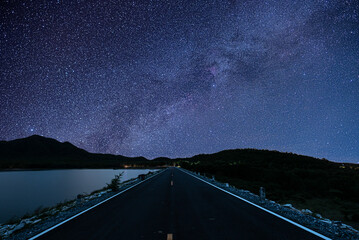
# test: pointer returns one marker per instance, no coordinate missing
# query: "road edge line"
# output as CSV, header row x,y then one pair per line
x,y
88,209
262,208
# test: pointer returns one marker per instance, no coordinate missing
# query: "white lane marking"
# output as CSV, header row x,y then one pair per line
x,y
171,182
59,224
275,214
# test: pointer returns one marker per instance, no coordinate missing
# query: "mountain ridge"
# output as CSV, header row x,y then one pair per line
x,y
42,152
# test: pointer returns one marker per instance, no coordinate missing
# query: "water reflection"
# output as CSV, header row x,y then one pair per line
x,y
22,192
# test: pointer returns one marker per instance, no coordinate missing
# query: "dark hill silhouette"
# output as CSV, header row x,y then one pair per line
x,y
38,146
41,152
260,158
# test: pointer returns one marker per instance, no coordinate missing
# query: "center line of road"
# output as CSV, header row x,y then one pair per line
x,y
171,182
170,236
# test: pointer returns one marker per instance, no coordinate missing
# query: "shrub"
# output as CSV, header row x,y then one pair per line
x,y
115,182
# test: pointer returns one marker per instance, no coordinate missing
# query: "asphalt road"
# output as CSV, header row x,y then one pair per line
x,y
174,205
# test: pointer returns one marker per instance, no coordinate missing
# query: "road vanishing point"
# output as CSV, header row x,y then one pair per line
x,y
176,205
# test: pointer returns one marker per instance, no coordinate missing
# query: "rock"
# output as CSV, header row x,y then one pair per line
x,y
26,221
288,205
18,227
307,211
64,208
53,212
3,229
338,223
318,215
36,221
326,220
344,226
9,226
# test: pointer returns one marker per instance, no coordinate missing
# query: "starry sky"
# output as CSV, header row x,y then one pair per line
x,y
177,78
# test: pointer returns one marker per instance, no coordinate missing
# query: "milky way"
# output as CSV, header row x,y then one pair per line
x,y
178,78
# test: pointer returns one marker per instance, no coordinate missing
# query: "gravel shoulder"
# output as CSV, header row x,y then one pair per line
x,y
332,229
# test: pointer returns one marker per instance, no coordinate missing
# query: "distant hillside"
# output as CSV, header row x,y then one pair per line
x,y
41,152
259,158
38,146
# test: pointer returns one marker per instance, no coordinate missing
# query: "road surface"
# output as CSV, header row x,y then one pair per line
x,y
173,206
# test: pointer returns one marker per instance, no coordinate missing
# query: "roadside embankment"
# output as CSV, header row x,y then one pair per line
x,y
336,230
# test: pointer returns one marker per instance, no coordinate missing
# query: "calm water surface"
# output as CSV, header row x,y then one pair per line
x,y
23,192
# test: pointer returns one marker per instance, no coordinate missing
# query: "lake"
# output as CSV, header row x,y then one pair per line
x,y
23,192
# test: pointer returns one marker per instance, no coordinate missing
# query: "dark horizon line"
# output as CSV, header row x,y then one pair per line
x,y
173,158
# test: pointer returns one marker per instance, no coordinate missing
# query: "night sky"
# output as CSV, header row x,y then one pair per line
x,y
178,78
